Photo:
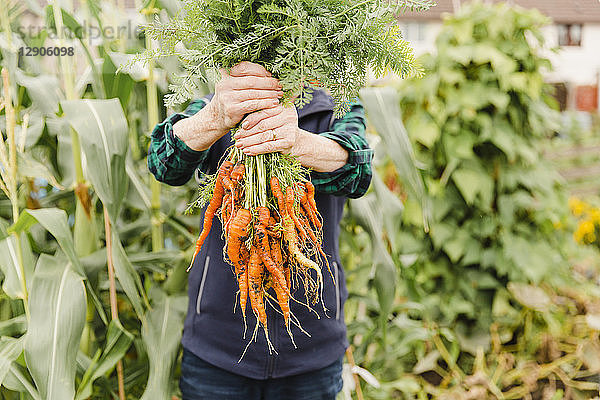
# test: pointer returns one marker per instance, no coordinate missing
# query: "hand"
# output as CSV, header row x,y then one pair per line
x,y
268,131
247,88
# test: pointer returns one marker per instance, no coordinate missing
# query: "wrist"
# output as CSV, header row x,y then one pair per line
x,y
210,121
200,130
302,144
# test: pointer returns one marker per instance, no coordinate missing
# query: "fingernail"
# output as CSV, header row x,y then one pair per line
x,y
275,102
245,125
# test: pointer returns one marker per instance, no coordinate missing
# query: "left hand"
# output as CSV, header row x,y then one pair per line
x,y
268,131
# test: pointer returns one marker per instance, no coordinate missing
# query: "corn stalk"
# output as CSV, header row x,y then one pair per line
x,y
85,221
9,175
114,311
152,103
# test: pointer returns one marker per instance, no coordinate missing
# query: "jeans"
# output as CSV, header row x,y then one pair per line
x,y
203,381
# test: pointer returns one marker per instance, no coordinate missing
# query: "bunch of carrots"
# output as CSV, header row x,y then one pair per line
x,y
271,228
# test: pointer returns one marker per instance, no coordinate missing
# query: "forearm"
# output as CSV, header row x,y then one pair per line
x,y
319,153
201,130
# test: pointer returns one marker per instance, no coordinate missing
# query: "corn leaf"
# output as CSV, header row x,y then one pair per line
x,y
19,380
128,278
102,128
118,341
55,222
57,304
161,334
369,214
10,350
382,106
9,265
13,327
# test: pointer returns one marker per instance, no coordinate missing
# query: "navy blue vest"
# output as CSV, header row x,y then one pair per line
x,y
214,332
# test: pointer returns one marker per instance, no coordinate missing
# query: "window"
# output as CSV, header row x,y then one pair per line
x,y
569,35
413,31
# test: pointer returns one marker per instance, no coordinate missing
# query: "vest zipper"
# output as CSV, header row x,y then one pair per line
x,y
337,291
201,289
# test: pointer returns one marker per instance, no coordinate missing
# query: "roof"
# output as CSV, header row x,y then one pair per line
x,y
561,11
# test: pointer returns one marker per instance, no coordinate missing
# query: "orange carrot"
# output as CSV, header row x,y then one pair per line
x,y
283,299
289,202
226,212
212,208
242,278
312,216
238,232
265,254
310,191
290,236
276,189
255,282
238,172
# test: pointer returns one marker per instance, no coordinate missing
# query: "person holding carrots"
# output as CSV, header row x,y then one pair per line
x,y
339,157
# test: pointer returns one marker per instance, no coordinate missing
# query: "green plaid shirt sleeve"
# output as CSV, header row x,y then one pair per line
x,y
170,160
353,179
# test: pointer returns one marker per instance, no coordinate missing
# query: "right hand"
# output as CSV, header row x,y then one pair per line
x,y
247,88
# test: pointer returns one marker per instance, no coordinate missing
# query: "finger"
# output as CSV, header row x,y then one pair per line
x,y
250,106
253,140
267,147
271,123
246,68
254,82
251,120
254,94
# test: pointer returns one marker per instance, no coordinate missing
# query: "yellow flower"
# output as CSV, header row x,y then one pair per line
x,y
577,206
587,226
595,216
590,238
578,237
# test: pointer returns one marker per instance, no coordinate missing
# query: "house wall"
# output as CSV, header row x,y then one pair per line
x,y
576,65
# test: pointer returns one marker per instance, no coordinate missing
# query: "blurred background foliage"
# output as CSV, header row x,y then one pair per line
x,y
470,279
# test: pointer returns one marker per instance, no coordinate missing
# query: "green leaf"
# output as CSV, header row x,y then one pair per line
x,y
161,334
9,265
128,278
370,216
31,168
10,350
57,305
18,379
471,182
383,109
13,327
391,204
55,222
118,340
423,129
116,84
44,92
455,246
102,128
473,339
